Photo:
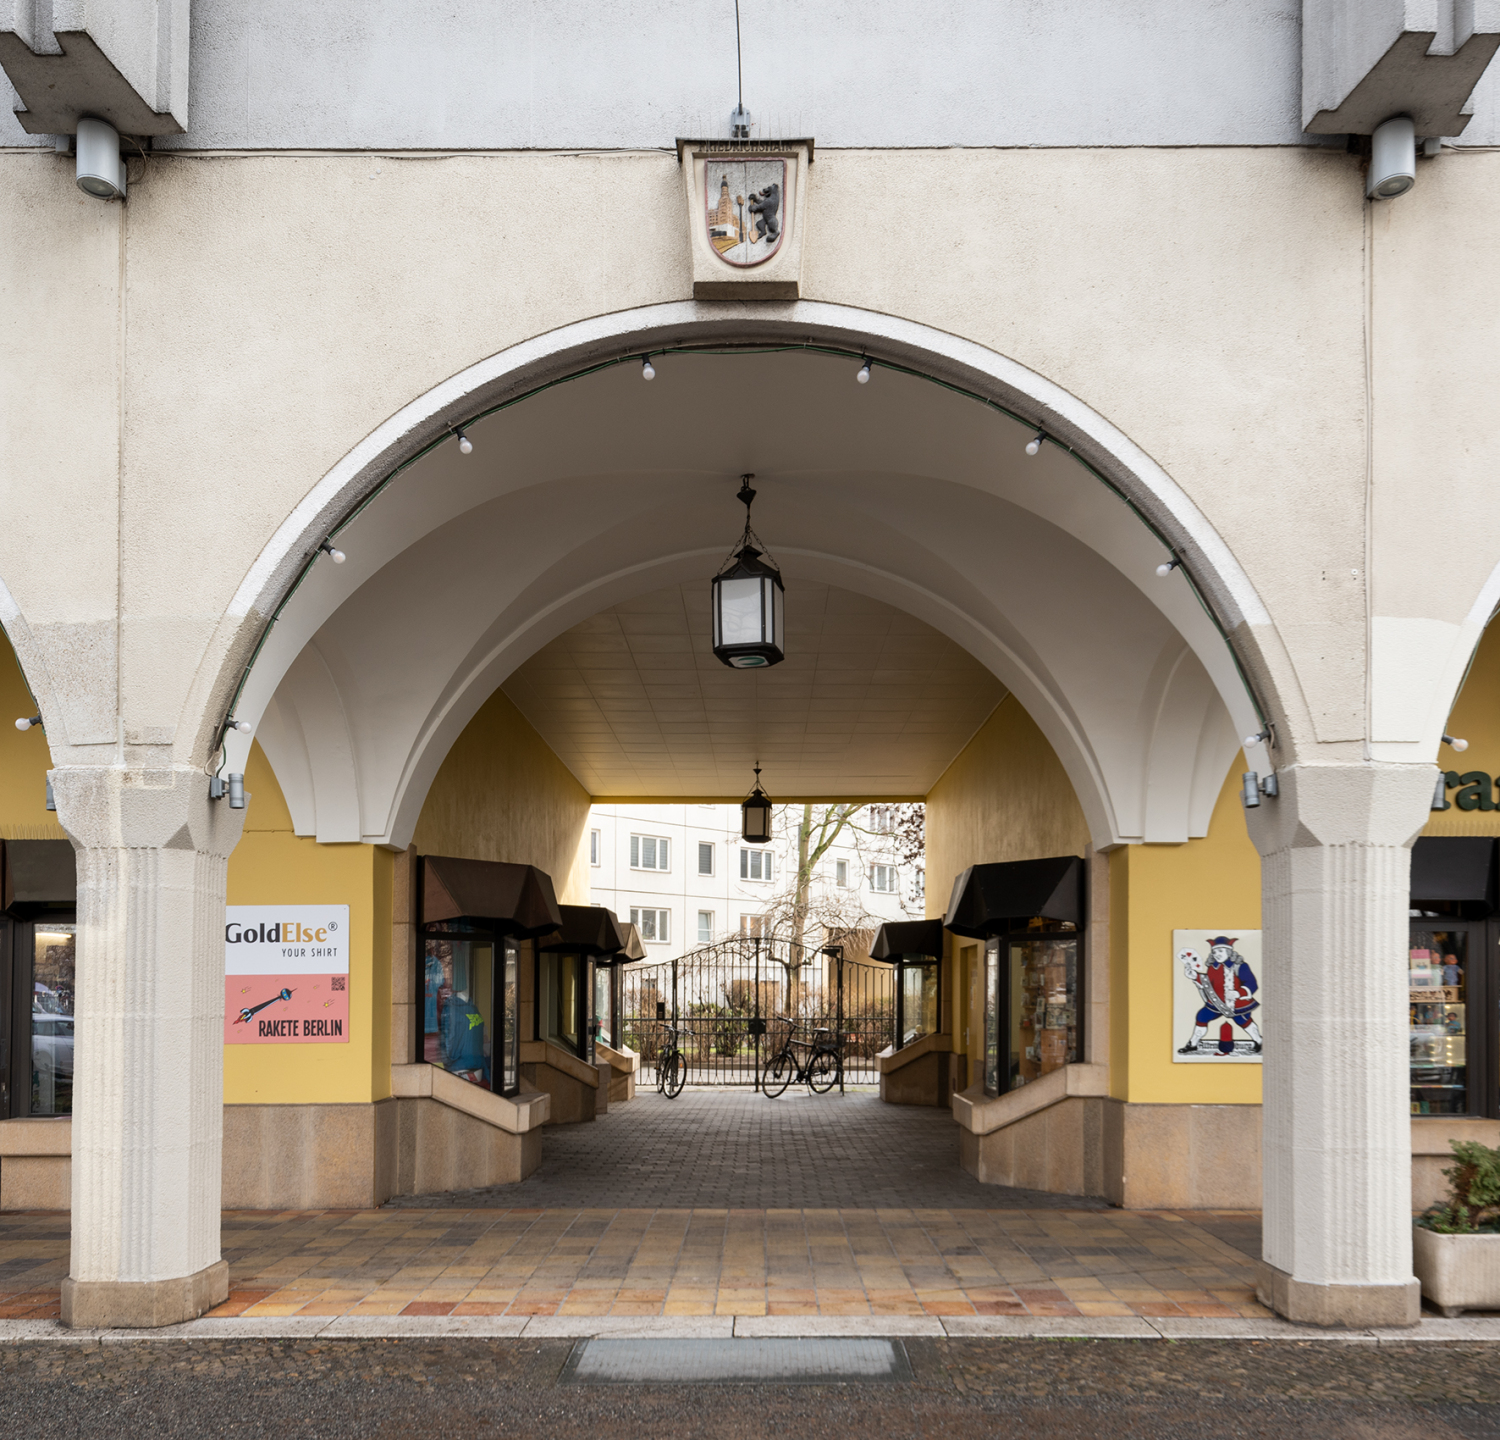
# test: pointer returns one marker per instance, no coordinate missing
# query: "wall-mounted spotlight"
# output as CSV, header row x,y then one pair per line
x,y
1168,566
465,445
1393,158
1253,787
648,370
1451,741
333,552
1034,445
864,373
25,722
101,168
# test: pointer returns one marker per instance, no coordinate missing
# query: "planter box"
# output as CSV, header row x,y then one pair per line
x,y
1458,1272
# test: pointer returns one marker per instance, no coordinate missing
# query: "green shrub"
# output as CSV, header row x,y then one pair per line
x,y
1473,1203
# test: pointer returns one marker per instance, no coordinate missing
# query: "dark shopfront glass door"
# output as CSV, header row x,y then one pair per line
x,y
37,979
1451,1006
1031,1004
468,1003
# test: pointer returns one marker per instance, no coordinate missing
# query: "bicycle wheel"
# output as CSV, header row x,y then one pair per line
x,y
676,1074
823,1073
777,1076
661,1070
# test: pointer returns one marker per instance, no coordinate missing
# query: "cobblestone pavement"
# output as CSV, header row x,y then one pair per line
x,y
737,1149
960,1390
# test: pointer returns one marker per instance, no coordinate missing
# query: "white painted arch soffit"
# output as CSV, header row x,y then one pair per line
x,y
607,488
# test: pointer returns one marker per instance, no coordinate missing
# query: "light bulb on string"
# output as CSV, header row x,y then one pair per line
x,y
1034,445
864,373
465,445
648,370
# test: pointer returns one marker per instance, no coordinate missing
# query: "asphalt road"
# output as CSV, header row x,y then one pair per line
x,y
1034,1388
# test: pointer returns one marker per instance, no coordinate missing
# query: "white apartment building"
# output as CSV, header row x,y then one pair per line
x,y
683,875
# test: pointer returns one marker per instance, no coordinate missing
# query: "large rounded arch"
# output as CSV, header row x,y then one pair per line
x,y
863,482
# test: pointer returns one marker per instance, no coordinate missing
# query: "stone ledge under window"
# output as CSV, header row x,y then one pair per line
x,y
980,1114
527,1111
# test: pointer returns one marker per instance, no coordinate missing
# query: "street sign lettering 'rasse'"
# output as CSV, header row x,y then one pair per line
x,y
286,974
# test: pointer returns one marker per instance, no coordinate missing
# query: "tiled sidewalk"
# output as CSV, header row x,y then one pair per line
x,y
664,1262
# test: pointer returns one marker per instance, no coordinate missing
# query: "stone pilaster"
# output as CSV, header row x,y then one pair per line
x,y
1336,864
148,1070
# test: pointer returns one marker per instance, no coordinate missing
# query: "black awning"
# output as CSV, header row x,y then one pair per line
x,y
38,872
513,899
987,899
586,930
632,949
1453,867
908,937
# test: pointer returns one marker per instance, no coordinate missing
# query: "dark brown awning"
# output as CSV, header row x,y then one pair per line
x,y
908,937
513,899
632,949
988,898
586,930
1454,867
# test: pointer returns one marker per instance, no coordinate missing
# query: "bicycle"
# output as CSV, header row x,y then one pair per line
x,y
671,1065
821,1072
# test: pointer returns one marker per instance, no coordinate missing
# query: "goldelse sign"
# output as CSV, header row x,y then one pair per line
x,y
286,974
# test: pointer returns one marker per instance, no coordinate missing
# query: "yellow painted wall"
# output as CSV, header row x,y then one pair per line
x,y
503,795
272,866
1005,797
24,761
1211,883
1476,718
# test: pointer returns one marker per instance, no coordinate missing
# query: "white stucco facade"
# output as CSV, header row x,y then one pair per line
x,y
1114,230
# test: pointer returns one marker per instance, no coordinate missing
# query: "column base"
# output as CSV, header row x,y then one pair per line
x,y
1352,1306
138,1304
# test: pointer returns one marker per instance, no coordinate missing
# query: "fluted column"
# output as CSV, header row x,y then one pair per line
x,y
148,1068
1335,876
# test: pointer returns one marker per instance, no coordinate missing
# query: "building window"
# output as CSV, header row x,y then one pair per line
x,y
705,858
841,873
654,925
593,847
755,864
883,878
882,819
705,926
648,852
753,925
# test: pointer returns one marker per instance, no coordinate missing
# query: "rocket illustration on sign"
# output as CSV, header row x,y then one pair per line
x,y
250,1010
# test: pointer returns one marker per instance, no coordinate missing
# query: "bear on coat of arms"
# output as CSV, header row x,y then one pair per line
x,y
765,206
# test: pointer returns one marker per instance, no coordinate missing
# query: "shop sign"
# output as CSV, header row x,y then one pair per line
x,y
286,974
1476,790
1217,1013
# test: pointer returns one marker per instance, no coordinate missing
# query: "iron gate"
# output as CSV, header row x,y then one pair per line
x,y
726,999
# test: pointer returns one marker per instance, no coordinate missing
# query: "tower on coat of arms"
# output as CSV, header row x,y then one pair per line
x,y
746,199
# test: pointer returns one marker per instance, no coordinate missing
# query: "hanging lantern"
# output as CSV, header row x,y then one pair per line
x,y
755,815
748,597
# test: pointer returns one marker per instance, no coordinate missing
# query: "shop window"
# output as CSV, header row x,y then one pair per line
x,y
648,852
1438,1003
54,951
562,991
883,878
470,1002
755,864
705,926
605,1025
917,998
841,873
705,858
593,847
1030,1006
655,925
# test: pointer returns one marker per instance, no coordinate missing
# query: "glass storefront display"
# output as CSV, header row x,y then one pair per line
x,y
1437,994
917,998
604,1004
463,1032
1030,1005
564,980
53,968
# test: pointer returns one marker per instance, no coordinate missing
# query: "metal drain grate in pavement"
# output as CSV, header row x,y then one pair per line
x,y
736,1362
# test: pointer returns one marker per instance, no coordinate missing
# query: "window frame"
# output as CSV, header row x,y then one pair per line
x,y
637,850
705,939
596,849
17,969
764,855
888,872
841,874
710,848
636,911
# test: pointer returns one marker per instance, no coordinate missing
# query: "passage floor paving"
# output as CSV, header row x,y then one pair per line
x,y
716,1204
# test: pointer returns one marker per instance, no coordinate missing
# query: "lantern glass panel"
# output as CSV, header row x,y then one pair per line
x,y
756,829
739,621
774,607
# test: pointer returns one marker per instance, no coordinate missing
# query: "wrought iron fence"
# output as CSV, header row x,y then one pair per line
x,y
726,1000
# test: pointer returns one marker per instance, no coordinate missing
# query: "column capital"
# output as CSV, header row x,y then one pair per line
x,y
158,808
1369,803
